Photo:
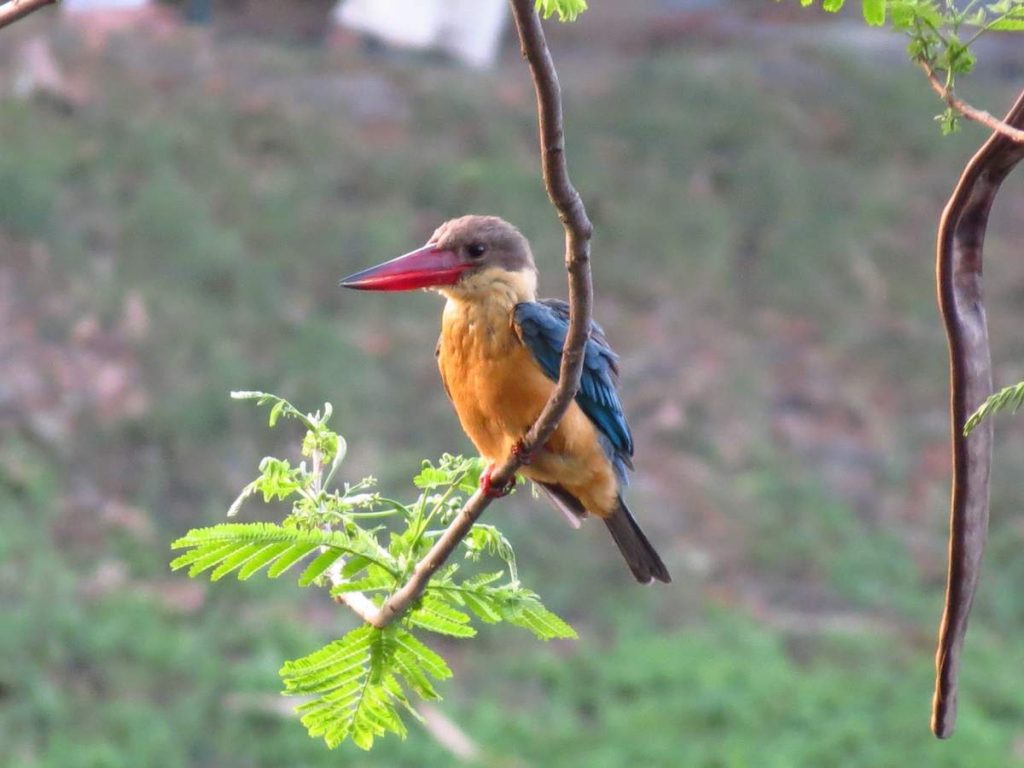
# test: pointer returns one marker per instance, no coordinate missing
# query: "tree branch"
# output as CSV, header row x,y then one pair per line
x,y
578,229
14,10
971,113
961,237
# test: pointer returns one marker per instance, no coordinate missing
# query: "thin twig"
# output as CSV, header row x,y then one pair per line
x,y
971,113
578,230
961,237
577,237
18,9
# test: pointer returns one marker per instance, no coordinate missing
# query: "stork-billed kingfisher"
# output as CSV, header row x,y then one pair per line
x,y
499,355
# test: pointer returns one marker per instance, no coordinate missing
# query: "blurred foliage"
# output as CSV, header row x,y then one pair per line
x,y
567,10
802,193
940,33
729,693
1007,399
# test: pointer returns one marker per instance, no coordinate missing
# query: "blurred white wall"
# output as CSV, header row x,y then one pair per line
x,y
469,30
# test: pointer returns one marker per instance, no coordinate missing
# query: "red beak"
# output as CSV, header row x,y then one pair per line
x,y
426,267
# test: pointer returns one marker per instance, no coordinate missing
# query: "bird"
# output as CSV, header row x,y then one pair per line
x,y
499,354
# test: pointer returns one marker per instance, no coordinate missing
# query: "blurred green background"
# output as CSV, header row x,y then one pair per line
x,y
173,221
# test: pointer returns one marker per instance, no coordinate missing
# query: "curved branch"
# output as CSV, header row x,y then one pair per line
x,y
971,113
18,9
961,237
578,230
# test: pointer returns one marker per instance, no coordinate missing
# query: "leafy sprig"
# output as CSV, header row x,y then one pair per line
x,y
1009,398
940,34
355,542
567,10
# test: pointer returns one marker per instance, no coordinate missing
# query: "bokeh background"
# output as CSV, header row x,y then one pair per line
x,y
176,205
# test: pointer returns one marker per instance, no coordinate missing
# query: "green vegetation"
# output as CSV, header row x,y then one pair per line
x,y
359,681
1006,399
779,233
567,10
941,34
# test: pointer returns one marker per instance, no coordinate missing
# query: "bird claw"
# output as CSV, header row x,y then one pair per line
x,y
493,491
520,452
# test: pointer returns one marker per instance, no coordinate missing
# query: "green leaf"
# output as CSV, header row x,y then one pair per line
x,y
353,565
371,583
281,407
481,580
1014,22
234,560
211,557
977,19
333,661
269,553
949,121
956,58
314,570
424,657
435,615
1007,399
874,12
354,682
275,412
567,10
229,545
431,477
487,610
287,559
487,538
528,613
832,6
416,663
201,558
359,685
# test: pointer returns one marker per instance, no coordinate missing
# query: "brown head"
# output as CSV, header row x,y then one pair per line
x,y
465,258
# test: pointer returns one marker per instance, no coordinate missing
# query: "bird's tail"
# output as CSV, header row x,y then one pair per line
x,y
641,557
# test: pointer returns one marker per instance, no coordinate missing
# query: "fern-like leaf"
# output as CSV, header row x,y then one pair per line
x,y
509,602
1008,398
357,687
250,547
436,615
355,682
372,583
567,10
529,613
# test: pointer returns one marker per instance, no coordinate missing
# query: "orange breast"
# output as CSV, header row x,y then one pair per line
x,y
499,390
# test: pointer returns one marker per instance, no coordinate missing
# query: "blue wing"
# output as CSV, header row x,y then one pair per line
x,y
542,326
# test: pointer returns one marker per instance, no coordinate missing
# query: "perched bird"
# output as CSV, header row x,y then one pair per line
x,y
499,355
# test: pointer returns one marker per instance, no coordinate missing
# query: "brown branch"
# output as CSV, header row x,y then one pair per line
x,y
971,113
578,230
961,237
18,9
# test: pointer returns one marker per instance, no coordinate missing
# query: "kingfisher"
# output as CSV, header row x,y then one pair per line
x,y
499,355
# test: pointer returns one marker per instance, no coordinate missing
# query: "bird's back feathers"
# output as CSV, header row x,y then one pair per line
x,y
542,326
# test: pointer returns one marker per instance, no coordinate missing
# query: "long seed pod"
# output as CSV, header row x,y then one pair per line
x,y
959,274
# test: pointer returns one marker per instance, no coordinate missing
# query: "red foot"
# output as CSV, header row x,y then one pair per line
x,y
519,451
494,492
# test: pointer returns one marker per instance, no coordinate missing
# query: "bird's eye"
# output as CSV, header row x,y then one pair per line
x,y
476,250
